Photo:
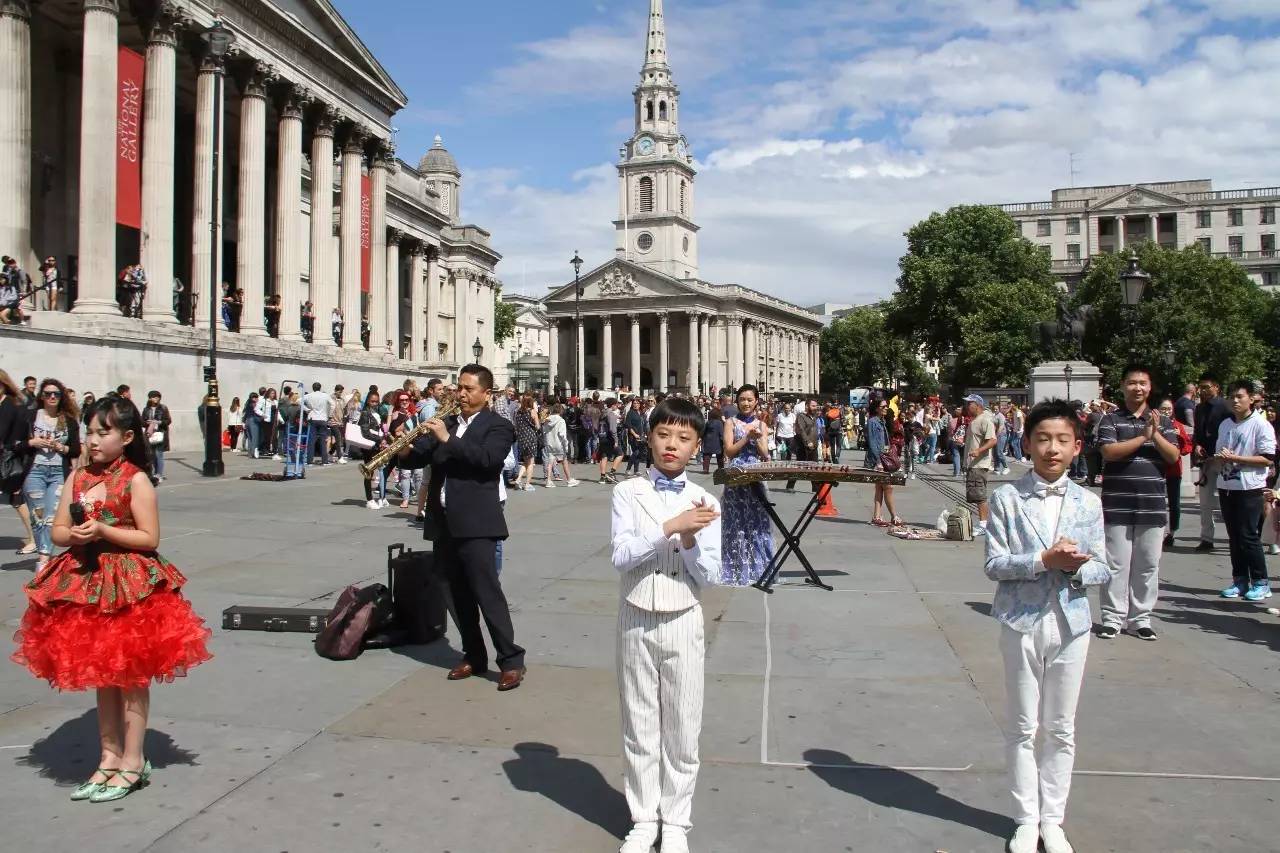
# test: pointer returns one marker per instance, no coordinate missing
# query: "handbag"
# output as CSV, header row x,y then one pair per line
x,y
157,437
358,613
355,437
890,461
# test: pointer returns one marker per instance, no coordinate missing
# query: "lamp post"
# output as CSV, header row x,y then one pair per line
x,y
1170,359
768,362
218,39
477,349
1067,371
576,263
1133,281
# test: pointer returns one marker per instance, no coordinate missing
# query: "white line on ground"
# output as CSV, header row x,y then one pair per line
x,y
17,746
1136,774
798,587
768,672
187,533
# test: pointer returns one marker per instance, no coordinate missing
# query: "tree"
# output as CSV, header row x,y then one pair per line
x,y
504,318
858,349
970,283
1208,310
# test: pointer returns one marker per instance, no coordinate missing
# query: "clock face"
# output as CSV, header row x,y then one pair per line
x,y
644,146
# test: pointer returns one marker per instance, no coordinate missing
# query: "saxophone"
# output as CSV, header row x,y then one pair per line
x,y
449,405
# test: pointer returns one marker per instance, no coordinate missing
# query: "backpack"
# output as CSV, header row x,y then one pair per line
x,y
357,614
959,523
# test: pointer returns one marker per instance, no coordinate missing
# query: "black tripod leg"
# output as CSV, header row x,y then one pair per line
x,y
823,491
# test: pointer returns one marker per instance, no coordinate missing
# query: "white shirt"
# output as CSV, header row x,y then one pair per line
x,y
1051,505
786,425
1252,436
463,423
317,404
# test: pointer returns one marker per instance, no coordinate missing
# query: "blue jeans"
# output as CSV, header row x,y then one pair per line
x,y
997,453
930,448
158,452
252,432
42,489
957,457
1015,447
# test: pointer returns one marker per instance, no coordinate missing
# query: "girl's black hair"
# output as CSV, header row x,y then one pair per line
x,y
678,411
753,389
120,413
1049,410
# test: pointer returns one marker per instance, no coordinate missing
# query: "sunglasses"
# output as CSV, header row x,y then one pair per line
x,y
51,394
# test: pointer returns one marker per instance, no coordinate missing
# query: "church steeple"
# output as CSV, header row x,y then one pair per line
x,y
655,54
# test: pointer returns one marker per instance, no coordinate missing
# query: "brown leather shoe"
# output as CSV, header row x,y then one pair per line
x,y
464,670
511,678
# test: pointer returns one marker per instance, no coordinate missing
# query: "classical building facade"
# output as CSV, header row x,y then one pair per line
x,y
1080,222
645,319
523,359
307,200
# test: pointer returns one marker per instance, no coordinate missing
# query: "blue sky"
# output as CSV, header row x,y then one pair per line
x,y
824,128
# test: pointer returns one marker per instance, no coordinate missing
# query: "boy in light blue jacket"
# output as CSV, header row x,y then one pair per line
x,y
1045,545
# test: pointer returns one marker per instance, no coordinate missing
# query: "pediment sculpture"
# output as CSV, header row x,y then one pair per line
x,y
618,283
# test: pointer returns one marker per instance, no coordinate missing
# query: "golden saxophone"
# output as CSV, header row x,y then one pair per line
x,y
448,406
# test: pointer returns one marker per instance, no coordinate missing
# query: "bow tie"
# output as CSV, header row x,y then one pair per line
x,y
1047,491
666,484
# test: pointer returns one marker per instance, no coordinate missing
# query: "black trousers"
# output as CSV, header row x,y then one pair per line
x,y
1242,515
1173,491
472,569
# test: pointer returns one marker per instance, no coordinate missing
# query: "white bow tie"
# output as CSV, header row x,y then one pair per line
x,y
1044,491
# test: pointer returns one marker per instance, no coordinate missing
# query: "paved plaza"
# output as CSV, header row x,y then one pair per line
x,y
865,719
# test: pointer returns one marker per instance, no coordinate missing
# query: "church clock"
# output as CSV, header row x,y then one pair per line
x,y
644,146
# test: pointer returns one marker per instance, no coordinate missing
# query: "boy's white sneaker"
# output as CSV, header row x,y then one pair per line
x,y
675,839
1055,840
1026,839
641,838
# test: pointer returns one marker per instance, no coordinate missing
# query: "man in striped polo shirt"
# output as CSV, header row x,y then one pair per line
x,y
1137,443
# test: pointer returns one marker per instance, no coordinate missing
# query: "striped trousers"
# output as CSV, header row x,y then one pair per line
x,y
660,679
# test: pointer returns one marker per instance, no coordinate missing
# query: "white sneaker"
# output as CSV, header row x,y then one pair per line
x,y
277,457
342,461
979,531
640,839
384,503
374,504
1026,839
1055,840
572,483
675,839
549,484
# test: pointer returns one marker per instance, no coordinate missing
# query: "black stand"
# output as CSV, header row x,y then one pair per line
x,y
791,540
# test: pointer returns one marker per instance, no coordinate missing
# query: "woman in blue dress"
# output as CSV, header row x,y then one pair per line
x,y
746,542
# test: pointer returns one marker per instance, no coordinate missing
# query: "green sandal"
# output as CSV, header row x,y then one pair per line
x,y
88,789
110,793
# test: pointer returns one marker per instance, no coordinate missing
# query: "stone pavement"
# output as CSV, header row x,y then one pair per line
x,y
863,719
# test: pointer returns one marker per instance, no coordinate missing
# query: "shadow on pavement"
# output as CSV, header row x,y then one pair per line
x,y
571,783
898,789
983,607
438,653
1234,619
70,753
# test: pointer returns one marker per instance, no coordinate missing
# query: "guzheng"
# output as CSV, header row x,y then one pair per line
x,y
816,472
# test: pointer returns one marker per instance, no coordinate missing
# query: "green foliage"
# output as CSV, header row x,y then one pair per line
x,y
1214,316
504,318
858,349
971,283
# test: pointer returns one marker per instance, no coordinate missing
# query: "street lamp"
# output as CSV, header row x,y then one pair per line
x,y
1133,281
576,263
477,349
1067,371
1170,360
218,40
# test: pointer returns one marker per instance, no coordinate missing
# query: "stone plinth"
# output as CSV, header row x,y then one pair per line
x,y
1049,380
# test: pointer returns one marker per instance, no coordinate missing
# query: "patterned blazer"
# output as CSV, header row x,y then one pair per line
x,y
1016,534
657,574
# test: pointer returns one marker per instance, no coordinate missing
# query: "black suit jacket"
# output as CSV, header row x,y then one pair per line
x,y
472,465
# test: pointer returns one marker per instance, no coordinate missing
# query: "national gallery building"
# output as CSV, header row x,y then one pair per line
x,y
113,112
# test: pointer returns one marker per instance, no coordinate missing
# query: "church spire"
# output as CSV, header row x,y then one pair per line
x,y
655,55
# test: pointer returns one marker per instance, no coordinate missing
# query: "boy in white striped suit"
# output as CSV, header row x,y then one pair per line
x,y
666,545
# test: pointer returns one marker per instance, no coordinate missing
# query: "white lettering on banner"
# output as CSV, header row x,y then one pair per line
x,y
129,125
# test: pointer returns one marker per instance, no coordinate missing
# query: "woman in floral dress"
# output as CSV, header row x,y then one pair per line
x,y
746,542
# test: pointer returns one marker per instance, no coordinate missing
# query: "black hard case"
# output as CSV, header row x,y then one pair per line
x,y
302,620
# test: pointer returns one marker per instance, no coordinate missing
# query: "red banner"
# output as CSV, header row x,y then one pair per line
x,y
366,235
132,69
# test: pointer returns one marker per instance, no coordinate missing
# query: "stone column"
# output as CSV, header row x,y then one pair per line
x,y
378,272
580,370
428,312
203,284
704,344
634,372
1155,229
15,137
158,105
324,286
553,354
733,376
393,290
97,248
1120,233
288,261
691,368
461,331
606,351
664,354
813,365
349,293
251,220
749,370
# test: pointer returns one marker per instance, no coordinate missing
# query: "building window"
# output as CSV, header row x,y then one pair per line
x,y
1073,251
1235,217
1271,278
1042,228
646,194
648,110
1204,218
1073,225
590,342
645,241
646,340
1235,245
686,249
1206,244
683,186
1267,242
1267,215
662,110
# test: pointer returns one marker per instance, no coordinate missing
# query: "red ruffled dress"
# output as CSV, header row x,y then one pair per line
x,y
122,623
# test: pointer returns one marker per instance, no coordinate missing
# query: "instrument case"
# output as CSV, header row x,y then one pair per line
x,y
302,620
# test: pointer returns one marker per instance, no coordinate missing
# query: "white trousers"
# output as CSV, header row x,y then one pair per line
x,y
660,678
1209,470
1133,552
1042,672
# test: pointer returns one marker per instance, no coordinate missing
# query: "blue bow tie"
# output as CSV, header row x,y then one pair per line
x,y
666,484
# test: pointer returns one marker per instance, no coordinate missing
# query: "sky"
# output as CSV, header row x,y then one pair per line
x,y
823,129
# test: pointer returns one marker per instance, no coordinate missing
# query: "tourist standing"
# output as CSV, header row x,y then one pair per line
x,y
784,431
877,444
1245,451
315,407
634,427
1137,444
1173,474
235,424
555,447
713,440
958,431
51,435
746,545
370,422
806,441
1208,416
252,424
526,429
979,445
157,422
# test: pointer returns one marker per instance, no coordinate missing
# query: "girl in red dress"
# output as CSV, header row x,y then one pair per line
x,y
108,613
